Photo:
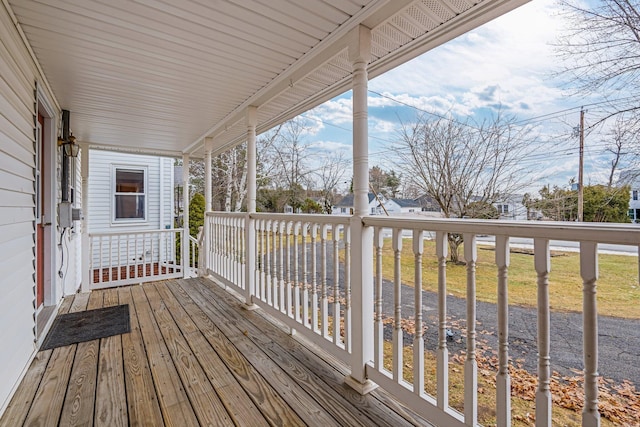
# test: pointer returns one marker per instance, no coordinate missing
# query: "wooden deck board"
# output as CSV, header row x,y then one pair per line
x,y
111,401
228,389
79,401
172,396
273,407
205,402
193,357
142,401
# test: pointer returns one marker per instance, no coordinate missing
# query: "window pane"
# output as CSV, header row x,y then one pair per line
x,y
129,181
129,207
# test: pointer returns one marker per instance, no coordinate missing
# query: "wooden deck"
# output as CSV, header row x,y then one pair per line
x,y
193,357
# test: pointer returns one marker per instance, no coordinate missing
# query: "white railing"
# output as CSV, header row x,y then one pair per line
x,y
224,253
299,259
194,256
294,276
117,259
411,390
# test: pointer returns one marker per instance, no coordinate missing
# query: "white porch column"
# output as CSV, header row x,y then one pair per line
x,y
362,247
86,252
208,142
185,214
250,232
204,250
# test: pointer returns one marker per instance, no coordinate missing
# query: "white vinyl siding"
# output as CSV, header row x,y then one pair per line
x,y
100,212
17,210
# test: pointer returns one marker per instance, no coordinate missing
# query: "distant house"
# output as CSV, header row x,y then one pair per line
x,y
129,191
428,204
632,178
345,206
403,206
511,207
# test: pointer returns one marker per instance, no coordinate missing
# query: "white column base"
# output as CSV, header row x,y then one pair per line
x,y
250,306
362,388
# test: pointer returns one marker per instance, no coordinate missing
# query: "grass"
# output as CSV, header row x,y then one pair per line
x,y
617,287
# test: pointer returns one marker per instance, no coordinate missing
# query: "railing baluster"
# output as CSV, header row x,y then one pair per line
x,y
305,277
378,346
335,234
347,288
442,357
261,260
323,290
314,278
296,279
470,364
418,341
267,263
287,268
281,284
503,380
110,258
397,305
274,263
589,273
543,394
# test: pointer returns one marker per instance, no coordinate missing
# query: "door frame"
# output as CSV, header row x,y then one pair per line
x,y
49,157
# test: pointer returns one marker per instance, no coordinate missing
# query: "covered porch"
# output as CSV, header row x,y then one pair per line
x,y
191,81
194,357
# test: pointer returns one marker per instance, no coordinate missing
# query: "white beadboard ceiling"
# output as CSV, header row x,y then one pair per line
x,y
157,76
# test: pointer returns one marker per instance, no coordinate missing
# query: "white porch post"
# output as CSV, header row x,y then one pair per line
x,y
208,142
204,250
250,232
185,215
85,286
362,247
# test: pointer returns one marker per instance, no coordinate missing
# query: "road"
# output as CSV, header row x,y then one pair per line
x,y
561,245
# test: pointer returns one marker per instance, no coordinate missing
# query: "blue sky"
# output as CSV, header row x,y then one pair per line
x,y
509,63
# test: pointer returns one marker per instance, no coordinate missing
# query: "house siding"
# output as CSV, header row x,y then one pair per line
x,y
100,211
18,75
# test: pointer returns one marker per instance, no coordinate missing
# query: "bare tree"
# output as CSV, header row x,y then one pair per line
x,y
460,165
289,167
600,50
331,173
623,143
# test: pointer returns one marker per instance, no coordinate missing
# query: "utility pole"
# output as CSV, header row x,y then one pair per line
x,y
580,169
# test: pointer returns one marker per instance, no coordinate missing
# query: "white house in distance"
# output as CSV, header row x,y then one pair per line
x,y
378,205
511,207
632,178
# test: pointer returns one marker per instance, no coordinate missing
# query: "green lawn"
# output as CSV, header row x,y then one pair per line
x,y
617,287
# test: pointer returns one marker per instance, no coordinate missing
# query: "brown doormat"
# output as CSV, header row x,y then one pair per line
x,y
87,325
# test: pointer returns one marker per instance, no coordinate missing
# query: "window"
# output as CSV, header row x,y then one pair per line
x,y
635,194
129,194
503,209
343,210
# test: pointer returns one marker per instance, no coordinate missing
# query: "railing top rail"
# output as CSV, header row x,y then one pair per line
x,y
313,218
227,214
132,232
622,234
317,218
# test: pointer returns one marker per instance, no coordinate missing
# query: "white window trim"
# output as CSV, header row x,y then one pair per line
x,y
112,194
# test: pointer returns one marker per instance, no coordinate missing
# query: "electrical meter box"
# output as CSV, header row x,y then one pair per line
x,y
67,214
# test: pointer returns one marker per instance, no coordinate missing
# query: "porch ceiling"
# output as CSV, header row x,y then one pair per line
x,y
157,76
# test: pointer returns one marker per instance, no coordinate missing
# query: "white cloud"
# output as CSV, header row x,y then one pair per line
x,y
512,53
